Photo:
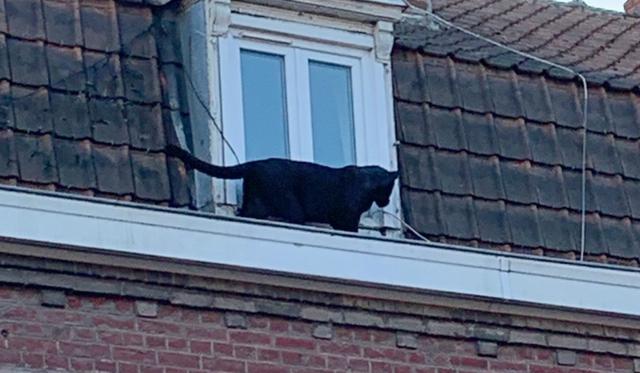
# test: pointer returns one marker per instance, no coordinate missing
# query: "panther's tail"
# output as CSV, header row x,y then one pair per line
x,y
233,172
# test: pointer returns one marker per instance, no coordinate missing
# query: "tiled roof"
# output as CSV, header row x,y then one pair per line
x,y
85,107
490,148
602,45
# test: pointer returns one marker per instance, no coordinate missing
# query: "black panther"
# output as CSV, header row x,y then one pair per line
x,y
302,192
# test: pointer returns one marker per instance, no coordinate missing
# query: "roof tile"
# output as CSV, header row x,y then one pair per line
x,y
5,72
28,64
7,119
412,124
472,87
113,169
8,160
408,84
570,143
151,181
595,242
459,218
627,119
598,112
516,177
25,18
424,210
70,115
453,172
62,22
619,237
141,80
480,133
104,77
543,143
441,86
447,128
75,164
65,68
107,121
535,97
504,93
145,126
632,191
549,185
3,17
610,196
418,170
485,173
31,109
602,154
135,33
492,225
556,230
36,159
566,107
523,223
181,186
512,139
99,25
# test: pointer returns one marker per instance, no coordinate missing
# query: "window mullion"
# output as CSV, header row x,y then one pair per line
x,y
304,138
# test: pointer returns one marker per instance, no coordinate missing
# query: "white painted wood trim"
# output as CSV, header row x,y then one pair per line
x,y
129,228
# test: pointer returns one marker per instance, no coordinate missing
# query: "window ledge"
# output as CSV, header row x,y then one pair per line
x,y
178,234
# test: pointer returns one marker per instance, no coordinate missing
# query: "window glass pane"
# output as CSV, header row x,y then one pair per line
x,y
332,114
264,105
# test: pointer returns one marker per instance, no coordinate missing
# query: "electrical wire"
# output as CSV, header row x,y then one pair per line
x,y
404,224
429,13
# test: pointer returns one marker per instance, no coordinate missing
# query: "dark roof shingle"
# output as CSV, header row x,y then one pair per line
x,y
487,133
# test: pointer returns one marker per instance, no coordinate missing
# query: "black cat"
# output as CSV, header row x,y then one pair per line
x,y
302,192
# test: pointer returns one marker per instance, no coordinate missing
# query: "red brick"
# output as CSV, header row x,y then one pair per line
x,y
502,366
337,362
211,317
74,349
300,327
127,368
207,333
200,347
177,344
378,336
155,342
19,313
223,349
380,367
382,353
158,327
151,369
124,305
32,345
176,359
296,343
622,363
470,362
54,362
32,360
134,355
81,364
297,358
113,322
544,369
83,334
265,368
358,365
256,322
424,370
279,326
223,365
105,366
340,348
245,352
247,337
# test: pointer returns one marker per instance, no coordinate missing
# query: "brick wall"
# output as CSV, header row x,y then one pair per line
x,y
46,329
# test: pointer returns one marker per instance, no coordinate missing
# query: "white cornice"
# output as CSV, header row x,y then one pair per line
x,y
170,233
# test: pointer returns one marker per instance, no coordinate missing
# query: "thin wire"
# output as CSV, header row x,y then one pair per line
x,y
583,80
405,224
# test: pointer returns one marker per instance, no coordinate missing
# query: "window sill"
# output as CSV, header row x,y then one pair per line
x,y
177,234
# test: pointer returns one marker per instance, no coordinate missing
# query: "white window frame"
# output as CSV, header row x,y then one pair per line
x,y
374,128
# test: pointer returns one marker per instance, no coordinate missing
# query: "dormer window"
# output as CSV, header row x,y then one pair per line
x,y
302,81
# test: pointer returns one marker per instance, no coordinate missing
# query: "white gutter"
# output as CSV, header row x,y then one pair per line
x,y
129,228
